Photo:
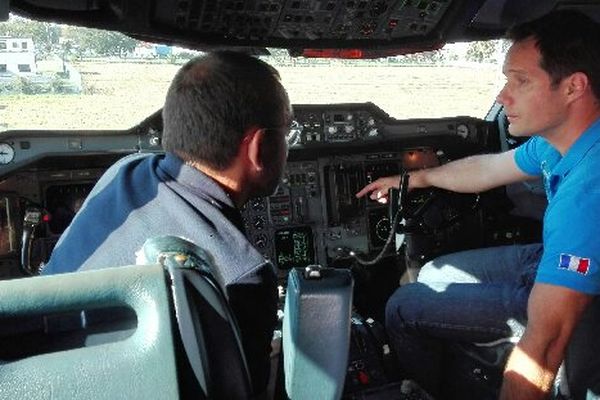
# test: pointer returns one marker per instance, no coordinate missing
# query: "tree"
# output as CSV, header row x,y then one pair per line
x,y
98,42
423,58
486,51
110,43
45,35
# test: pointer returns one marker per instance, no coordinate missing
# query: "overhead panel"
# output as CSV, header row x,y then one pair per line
x,y
302,20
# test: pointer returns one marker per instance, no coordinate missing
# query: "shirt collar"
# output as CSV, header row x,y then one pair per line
x,y
202,186
578,150
197,181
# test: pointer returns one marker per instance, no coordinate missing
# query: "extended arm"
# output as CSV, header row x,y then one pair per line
x,y
553,313
468,175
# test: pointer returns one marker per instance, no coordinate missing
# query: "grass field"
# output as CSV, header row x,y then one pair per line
x,y
118,95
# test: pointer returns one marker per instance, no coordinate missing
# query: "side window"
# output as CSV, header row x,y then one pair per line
x,y
24,68
24,45
2,67
2,45
15,45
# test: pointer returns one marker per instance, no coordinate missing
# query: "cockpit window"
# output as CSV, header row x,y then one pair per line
x,y
55,77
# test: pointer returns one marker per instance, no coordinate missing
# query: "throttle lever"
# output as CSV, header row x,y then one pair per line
x,y
31,220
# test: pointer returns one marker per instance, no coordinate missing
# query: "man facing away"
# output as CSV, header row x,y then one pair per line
x,y
226,117
552,91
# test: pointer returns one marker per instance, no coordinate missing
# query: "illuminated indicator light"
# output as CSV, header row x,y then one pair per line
x,y
46,218
333,53
363,377
367,53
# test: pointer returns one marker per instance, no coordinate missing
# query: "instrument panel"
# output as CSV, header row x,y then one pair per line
x,y
313,217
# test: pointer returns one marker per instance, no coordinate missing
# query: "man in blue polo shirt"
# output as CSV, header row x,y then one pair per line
x,y
225,121
552,91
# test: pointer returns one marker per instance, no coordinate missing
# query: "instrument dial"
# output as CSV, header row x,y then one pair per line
x,y
462,130
382,228
259,222
7,153
257,204
261,241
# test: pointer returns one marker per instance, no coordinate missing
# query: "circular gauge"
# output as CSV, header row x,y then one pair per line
x,y
261,241
7,153
257,204
259,222
462,130
382,228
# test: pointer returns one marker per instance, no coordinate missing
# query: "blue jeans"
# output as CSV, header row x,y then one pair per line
x,y
478,296
475,296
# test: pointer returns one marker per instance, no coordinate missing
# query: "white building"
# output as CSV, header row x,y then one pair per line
x,y
17,56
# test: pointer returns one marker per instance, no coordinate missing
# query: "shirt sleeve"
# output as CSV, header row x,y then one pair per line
x,y
571,255
527,157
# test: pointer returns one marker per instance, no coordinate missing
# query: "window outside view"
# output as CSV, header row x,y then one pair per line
x,y
64,77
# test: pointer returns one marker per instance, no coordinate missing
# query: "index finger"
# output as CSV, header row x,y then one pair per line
x,y
369,188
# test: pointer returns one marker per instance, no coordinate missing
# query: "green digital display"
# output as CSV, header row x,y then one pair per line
x,y
294,247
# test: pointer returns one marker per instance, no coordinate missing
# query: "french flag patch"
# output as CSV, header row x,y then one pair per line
x,y
573,263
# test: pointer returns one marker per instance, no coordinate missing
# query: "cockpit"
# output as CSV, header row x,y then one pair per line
x,y
378,88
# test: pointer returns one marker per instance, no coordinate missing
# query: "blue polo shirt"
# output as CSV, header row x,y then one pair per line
x,y
571,236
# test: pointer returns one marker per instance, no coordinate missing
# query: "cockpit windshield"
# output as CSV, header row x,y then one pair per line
x,y
59,77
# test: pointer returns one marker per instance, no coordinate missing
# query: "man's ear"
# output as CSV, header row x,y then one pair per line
x,y
577,84
255,141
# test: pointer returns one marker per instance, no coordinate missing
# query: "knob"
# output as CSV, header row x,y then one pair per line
x,y
259,223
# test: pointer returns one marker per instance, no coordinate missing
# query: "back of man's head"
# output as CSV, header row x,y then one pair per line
x,y
214,99
568,43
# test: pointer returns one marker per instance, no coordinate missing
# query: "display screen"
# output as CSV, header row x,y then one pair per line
x,y
63,202
342,182
294,247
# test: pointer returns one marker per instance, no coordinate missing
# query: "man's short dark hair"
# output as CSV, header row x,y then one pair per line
x,y
568,43
214,99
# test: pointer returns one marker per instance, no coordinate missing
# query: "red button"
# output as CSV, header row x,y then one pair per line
x,y
363,377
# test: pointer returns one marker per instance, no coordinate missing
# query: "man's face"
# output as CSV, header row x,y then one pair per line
x,y
532,104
